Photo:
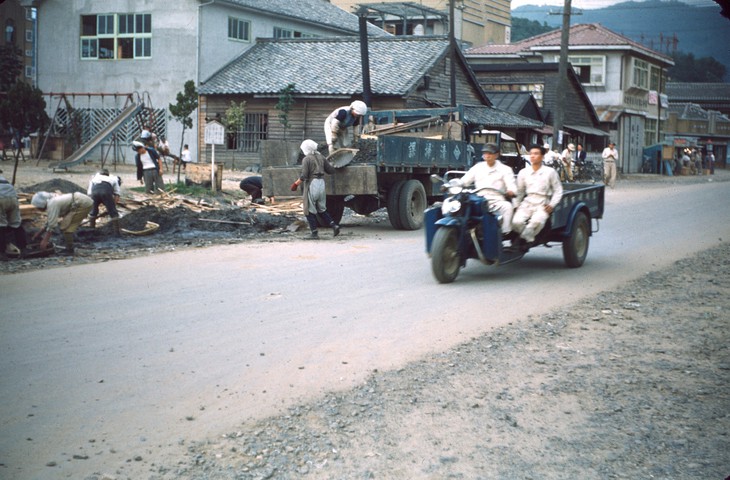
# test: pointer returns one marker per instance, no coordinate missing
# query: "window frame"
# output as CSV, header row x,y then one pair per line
x,y
236,29
597,62
116,37
641,69
248,139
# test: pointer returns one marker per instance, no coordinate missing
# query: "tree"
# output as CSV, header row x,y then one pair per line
x,y
523,28
687,68
235,120
284,105
10,66
187,103
22,112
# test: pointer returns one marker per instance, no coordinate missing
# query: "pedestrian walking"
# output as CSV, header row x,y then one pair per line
x,y
610,157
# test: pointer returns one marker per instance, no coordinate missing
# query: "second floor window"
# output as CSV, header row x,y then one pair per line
x,y
116,36
590,69
239,29
640,77
287,33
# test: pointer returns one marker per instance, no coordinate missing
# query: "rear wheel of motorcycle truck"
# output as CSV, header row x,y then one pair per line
x,y
392,205
412,205
575,247
445,260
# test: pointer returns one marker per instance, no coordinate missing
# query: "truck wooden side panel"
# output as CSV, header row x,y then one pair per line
x,y
354,179
427,153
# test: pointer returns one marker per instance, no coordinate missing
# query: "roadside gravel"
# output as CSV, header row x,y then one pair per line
x,y
634,383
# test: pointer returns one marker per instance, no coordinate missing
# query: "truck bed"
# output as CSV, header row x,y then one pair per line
x,y
591,195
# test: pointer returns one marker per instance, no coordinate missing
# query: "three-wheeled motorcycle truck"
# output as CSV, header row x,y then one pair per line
x,y
464,226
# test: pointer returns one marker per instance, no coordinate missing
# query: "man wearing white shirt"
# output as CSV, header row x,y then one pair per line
x,y
494,181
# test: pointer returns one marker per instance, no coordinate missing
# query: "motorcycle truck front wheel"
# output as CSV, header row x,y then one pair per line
x,y
445,258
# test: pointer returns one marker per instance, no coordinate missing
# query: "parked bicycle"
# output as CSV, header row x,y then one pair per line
x,y
588,172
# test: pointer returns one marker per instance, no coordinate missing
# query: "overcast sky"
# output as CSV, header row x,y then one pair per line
x,y
587,4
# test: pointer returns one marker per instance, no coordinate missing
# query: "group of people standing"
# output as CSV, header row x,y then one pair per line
x,y
694,163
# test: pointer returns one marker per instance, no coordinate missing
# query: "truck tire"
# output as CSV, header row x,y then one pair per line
x,y
412,203
575,247
392,205
445,259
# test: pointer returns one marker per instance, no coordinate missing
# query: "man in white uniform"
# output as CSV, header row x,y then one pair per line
x,y
538,193
340,120
497,181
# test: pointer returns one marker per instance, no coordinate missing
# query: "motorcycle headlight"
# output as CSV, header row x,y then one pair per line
x,y
454,186
450,206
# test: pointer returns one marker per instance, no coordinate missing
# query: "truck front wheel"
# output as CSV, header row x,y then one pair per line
x,y
412,204
575,247
445,259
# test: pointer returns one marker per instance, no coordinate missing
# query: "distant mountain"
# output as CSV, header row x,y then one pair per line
x,y
702,31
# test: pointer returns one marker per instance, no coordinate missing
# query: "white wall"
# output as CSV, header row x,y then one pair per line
x,y
61,69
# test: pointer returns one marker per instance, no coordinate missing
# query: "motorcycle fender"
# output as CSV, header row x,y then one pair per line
x,y
431,216
491,237
578,207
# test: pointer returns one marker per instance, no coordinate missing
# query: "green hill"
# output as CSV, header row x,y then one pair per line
x,y
701,31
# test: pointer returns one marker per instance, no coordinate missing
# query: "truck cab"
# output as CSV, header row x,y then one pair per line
x,y
510,151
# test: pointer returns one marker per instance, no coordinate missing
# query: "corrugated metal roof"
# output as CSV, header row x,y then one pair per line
x,y
328,66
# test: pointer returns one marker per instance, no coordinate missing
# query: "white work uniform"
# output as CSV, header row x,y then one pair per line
x,y
337,128
498,177
535,190
610,157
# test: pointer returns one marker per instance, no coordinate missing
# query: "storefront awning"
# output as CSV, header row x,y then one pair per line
x,y
587,130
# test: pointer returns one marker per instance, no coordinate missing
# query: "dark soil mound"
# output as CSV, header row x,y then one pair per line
x,y
181,219
63,186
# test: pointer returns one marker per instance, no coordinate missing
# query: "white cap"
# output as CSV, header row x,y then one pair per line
x,y
136,145
40,200
308,147
359,107
571,147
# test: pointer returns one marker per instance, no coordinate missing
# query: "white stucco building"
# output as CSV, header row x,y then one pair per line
x,y
152,47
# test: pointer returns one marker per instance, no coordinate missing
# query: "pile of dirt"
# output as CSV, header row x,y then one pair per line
x,y
53,185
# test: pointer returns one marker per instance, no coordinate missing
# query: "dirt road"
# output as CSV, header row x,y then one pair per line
x,y
138,368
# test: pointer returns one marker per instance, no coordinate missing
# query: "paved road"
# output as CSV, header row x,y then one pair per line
x,y
134,358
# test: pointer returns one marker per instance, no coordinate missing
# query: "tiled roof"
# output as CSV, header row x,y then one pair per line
x,y
328,66
692,111
321,12
685,91
479,114
688,111
581,35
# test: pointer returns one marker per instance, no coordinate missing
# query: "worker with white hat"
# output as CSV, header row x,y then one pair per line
x,y
342,119
567,158
66,211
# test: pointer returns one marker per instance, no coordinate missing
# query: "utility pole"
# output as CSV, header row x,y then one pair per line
x,y
452,48
562,79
